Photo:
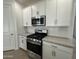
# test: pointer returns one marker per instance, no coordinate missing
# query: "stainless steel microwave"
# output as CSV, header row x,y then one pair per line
x,y
39,21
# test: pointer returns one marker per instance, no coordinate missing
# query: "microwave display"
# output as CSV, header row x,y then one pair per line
x,y
39,21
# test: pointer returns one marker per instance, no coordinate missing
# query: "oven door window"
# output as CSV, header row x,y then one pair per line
x,y
34,48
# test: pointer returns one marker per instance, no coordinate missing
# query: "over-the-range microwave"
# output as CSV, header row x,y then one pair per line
x,y
39,21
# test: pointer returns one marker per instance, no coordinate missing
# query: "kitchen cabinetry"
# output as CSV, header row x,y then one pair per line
x,y
48,51
53,51
27,16
22,42
50,12
38,8
58,13
64,12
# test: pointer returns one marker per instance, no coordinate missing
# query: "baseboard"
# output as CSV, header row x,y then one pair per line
x,y
9,50
23,49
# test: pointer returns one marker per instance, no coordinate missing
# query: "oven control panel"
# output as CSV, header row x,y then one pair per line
x,y
34,41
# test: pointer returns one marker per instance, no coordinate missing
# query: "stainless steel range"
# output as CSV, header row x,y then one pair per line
x,y
34,43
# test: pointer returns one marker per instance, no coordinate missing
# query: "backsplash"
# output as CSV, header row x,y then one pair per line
x,y
52,31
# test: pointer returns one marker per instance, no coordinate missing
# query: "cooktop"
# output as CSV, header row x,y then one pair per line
x,y
38,36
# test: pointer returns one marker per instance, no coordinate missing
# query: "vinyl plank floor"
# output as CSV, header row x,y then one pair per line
x,y
17,54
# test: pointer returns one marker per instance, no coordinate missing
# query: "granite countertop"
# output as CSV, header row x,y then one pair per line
x,y
60,41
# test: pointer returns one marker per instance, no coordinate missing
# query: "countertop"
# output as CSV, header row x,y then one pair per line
x,y
56,40
24,34
60,41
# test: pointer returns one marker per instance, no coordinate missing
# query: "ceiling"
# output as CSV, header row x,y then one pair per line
x,y
25,3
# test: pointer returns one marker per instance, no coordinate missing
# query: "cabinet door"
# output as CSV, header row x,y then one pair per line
x,y
60,54
22,42
27,16
39,8
34,11
64,10
48,51
50,12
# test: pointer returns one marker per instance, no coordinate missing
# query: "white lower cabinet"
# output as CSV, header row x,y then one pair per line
x,y
59,54
22,42
52,51
47,51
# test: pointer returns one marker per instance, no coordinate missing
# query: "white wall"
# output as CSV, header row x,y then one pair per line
x,y
18,20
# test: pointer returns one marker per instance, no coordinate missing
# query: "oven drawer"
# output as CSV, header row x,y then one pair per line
x,y
34,48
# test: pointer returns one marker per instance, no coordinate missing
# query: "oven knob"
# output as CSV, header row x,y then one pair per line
x,y
39,41
34,40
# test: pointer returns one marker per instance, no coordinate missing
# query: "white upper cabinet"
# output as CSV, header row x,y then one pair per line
x,y
38,8
50,12
64,10
58,12
32,11
27,16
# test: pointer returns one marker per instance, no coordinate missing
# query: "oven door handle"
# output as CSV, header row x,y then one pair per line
x,y
34,43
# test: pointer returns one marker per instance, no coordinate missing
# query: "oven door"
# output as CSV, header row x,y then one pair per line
x,y
34,48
